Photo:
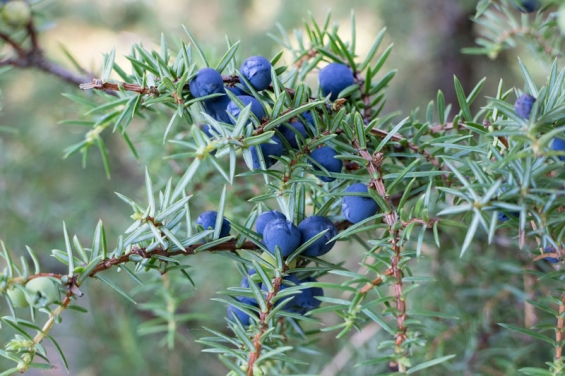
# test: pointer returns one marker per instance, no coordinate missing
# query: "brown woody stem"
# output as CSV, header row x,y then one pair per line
x,y
256,352
559,332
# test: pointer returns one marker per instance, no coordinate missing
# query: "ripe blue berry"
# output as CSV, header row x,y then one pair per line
x,y
307,301
502,217
236,312
207,81
267,149
559,145
325,156
309,117
281,233
288,132
311,227
357,208
206,130
256,107
208,221
527,6
334,78
217,106
257,70
267,217
523,105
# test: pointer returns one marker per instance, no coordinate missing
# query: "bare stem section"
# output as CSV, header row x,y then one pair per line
x,y
32,56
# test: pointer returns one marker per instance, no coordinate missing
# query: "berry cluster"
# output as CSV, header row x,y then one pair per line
x,y
279,233
208,84
300,303
276,230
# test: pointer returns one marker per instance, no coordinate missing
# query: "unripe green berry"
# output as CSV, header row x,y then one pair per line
x,y
16,13
42,292
18,298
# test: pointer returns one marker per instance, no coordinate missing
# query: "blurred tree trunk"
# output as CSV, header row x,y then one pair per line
x,y
451,23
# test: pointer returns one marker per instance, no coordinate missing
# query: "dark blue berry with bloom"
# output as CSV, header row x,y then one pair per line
x,y
559,145
207,81
290,131
236,312
523,105
257,70
334,78
358,208
267,149
247,100
283,234
311,227
325,156
208,221
267,217
306,301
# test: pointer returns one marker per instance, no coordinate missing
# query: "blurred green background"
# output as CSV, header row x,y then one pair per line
x,y
39,189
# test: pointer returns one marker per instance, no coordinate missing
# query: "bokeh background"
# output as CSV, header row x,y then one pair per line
x,y
39,189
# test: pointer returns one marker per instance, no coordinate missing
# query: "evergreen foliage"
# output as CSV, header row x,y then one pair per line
x,y
364,199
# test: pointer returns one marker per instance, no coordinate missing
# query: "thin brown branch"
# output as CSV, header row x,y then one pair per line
x,y
32,32
33,57
304,58
445,127
428,224
43,333
108,263
374,163
375,282
56,70
529,32
559,332
20,280
15,45
256,352
231,80
105,86
98,84
396,137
